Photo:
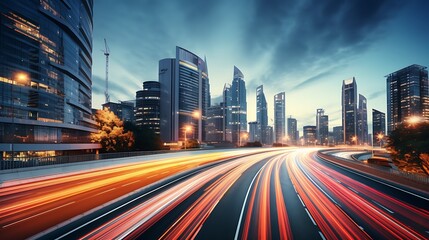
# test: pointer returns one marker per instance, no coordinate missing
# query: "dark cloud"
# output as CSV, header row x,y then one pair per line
x,y
310,35
315,78
115,89
377,94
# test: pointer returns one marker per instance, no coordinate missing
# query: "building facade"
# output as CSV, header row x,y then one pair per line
x,y
407,95
215,124
292,130
349,110
309,133
185,96
322,127
45,78
338,135
362,121
237,108
123,110
279,117
148,104
261,115
378,125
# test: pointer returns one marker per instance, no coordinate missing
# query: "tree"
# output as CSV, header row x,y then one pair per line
x,y
111,133
408,145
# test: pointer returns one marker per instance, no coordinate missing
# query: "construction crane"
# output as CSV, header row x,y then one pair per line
x,y
106,52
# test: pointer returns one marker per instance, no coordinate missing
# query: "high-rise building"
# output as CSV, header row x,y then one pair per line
x,y
292,129
407,95
349,110
227,113
238,107
253,129
261,114
309,134
378,125
124,110
269,135
148,103
185,96
45,78
279,116
362,121
338,134
215,123
322,126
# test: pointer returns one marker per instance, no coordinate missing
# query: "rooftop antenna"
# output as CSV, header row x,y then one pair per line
x,y
106,53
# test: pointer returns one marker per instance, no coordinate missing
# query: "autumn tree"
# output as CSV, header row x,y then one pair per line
x,y
408,145
111,133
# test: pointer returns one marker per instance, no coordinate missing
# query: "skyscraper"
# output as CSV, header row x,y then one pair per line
x,y
124,110
378,125
227,113
185,96
253,129
292,130
362,121
148,105
322,126
279,116
238,123
407,95
261,114
338,134
215,123
349,110
45,77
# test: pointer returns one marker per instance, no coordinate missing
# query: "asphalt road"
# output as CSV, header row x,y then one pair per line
x,y
283,194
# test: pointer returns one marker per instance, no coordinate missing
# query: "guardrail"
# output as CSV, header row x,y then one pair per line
x,y
25,162
367,167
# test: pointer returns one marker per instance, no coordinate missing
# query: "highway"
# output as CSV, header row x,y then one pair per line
x,y
277,194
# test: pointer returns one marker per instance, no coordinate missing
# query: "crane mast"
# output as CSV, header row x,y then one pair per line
x,y
106,53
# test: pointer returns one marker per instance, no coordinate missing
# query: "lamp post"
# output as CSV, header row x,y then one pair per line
x,y
19,77
187,128
354,139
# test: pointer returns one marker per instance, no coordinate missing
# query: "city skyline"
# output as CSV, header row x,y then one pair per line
x,y
359,43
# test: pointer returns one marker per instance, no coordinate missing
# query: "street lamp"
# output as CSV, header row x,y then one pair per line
x,y
187,129
354,139
380,137
413,120
21,78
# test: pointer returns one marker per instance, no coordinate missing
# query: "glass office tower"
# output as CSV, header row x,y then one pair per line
x,y
279,117
185,96
349,110
45,77
407,95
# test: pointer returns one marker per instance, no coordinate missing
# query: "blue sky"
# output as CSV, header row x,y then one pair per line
x,y
304,48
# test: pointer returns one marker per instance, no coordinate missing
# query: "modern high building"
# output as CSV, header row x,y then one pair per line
x,y
185,96
378,125
124,110
269,135
322,127
338,135
349,110
45,78
261,114
407,95
309,134
148,104
292,130
253,129
227,113
215,123
362,121
279,117
236,107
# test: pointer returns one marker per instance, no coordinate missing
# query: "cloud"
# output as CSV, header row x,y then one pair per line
x,y
377,94
115,89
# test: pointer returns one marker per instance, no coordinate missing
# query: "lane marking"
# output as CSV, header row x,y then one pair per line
x,y
27,218
103,192
301,200
237,231
375,180
153,176
321,235
353,189
130,183
385,208
309,215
